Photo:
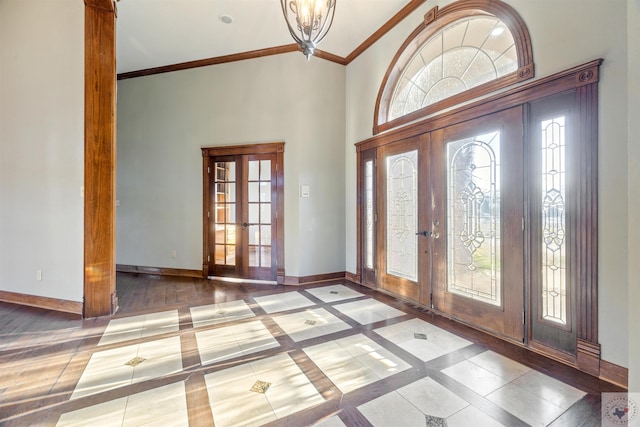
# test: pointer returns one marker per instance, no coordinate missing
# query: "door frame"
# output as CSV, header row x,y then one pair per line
x,y
276,148
581,84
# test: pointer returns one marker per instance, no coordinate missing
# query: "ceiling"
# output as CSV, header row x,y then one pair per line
x,y
155,33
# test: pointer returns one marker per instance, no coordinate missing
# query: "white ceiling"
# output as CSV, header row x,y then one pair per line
x,y
154,33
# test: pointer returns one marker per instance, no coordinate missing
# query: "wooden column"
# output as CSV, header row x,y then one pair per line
x,y
100,159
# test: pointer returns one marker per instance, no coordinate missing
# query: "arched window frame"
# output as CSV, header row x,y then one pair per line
x,y
434,21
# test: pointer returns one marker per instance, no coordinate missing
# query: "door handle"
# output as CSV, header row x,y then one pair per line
x,y
244,224
425,233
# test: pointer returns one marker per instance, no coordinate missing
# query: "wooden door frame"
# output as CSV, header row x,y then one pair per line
x,y
582,82
276,148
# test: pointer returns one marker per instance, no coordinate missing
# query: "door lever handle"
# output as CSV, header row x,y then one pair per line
x,y
244,224
425,233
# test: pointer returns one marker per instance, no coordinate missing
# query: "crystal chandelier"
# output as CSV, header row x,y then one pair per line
x,y
308,21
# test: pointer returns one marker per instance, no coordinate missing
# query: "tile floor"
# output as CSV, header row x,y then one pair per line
x,y
325,355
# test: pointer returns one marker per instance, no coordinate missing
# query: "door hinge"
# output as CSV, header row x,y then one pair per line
x,y
208,258
523,318
208,214
522,223
375,217
208,169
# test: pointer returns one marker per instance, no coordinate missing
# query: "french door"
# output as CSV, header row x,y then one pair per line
x,y
478,237
243,222
450,222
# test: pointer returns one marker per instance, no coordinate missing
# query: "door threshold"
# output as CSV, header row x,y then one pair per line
x,y
240,280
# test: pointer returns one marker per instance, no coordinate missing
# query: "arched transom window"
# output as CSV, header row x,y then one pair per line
x,y
457,54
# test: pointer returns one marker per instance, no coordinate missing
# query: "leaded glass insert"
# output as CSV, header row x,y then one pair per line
x,y
463,55
402,215
369,219
473,218
554,268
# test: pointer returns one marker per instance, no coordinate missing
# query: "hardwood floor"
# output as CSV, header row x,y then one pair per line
x,y
44,354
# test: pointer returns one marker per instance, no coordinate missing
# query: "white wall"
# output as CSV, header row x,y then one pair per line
x,y
41,147
633,38
564,33
164,120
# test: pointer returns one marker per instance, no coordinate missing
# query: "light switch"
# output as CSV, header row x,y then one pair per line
x,y
304,191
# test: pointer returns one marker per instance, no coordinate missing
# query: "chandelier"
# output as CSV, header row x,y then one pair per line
x,y
308,21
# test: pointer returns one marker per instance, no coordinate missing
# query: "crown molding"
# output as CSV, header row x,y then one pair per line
x,y
277,50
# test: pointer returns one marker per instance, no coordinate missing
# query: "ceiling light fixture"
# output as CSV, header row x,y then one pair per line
x,y
309,21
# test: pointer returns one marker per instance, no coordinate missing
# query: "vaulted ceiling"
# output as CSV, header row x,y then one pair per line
x,y
156,33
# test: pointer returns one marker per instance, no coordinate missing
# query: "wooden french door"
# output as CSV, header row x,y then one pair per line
x,y
450,221
404,192
478,214
242,210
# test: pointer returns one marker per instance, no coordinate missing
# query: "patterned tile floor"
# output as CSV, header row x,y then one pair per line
x,y
326,355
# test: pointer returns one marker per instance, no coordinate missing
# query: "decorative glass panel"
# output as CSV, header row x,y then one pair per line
x,y
473,218
554,268
463,55
402,215
369,220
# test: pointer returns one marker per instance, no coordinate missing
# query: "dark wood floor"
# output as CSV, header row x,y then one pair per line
x,y
43,353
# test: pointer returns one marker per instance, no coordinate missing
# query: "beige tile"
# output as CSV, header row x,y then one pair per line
x,y
334,293
438,343
123,329
355,361
107,414
106,370
549,389
392,410
283,302
476,378
214,314
471,416
368,311
166,406
502,366
525,405
162,357
232,402
310,323
432,398
290,391
160,323
215,345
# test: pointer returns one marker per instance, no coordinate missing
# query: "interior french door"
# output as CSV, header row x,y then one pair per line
x,y
243,216
450,223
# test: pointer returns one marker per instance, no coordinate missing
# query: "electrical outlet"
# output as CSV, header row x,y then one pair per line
x,y
173,254
38,275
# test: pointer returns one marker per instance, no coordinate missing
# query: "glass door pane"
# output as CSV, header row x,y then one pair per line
x,y
225,213
473,217
402,215
259,205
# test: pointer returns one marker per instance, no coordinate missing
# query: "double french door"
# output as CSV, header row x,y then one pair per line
x,y
243,222
450,221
